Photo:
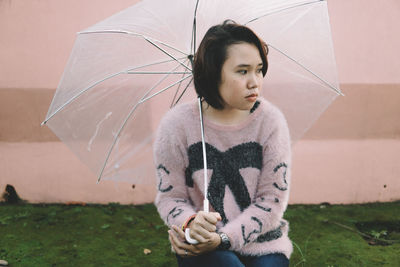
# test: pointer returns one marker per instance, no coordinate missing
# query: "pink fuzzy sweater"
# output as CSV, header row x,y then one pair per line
x,y
248,173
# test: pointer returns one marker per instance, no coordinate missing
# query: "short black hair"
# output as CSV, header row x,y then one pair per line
x,y
211,56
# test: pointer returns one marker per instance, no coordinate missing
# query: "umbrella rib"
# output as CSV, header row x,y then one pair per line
x,y
165,52
308,70
179,87
183,92
136,34
157,83
156,63
131,153
127,118
144,99
283,9
164,89
158,72
100,81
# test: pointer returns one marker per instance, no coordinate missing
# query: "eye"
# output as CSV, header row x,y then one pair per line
x,y
242,72
259,70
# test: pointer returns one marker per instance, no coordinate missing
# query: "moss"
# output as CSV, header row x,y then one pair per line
x,y
116,235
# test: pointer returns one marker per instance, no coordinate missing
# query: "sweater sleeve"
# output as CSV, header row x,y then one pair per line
x,y
172,200
262,220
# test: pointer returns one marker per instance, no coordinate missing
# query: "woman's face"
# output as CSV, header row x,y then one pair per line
x,y
241,77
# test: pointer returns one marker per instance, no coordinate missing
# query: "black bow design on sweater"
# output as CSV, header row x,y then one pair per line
x,y
225,166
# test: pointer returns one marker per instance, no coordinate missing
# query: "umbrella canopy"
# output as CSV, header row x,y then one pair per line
x,y
125,72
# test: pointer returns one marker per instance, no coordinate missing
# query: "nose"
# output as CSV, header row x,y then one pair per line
x,y
252,81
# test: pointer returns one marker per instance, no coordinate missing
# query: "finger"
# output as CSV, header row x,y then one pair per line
x,y
174,244
176,239
204,225
199,237
174,247
181,234
209,227
210,245
182,248
205,232
204,220
219,218
201,216
212,217
179,231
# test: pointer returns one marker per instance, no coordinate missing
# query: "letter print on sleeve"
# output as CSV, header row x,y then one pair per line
x,y
246,239
174,212
164,169
271,235
281,168
263,208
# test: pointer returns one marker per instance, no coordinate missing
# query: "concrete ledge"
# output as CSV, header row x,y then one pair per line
x,y
48,172
335,171
21,113
346,171
367,111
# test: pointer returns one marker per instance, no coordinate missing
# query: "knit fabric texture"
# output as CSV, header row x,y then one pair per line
x,y
248,169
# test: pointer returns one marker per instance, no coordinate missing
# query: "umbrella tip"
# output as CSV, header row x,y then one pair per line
x,y
43,123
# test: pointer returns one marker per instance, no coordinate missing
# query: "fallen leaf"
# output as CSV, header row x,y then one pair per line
x,y
105,226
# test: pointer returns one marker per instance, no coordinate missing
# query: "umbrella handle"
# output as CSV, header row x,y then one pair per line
x,y
189,239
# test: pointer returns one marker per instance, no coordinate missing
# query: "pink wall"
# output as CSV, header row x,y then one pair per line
x,y
37,37
366,38
351,155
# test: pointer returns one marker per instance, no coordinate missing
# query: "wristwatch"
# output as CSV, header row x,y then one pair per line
x,y
225,243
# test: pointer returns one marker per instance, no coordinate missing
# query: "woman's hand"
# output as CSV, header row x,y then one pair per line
x,y
204,225
183,249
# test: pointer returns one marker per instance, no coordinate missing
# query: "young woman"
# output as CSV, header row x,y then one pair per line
x,y
248,154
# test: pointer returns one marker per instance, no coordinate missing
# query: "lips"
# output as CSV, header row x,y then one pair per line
x,y
252,95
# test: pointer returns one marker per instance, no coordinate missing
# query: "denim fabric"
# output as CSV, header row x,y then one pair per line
x,y
220,258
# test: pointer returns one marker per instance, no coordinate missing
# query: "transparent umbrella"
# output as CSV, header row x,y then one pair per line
x,y
125,72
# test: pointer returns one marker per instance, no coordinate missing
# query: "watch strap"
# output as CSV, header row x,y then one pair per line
x,y
225,242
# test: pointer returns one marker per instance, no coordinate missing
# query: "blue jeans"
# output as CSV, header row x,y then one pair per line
x,y
224,258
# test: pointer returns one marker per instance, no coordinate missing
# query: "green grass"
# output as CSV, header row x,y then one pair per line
x,y
116,235
323,240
